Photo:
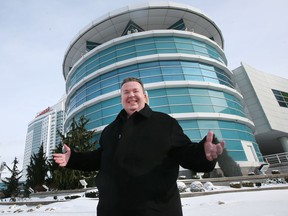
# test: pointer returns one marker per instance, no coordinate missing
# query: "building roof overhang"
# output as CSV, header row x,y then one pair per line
x,y
149,16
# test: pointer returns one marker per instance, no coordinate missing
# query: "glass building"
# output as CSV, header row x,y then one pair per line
x,y
177,51
42,130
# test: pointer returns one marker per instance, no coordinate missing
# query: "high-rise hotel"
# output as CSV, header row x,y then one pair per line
x,y
42,130
177,51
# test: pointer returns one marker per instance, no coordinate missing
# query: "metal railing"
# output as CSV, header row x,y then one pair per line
x,y
276,158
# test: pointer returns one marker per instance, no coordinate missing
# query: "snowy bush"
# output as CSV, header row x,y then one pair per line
x,y
72,197
92,193
276,181
247,184
235,185
208,186
258,184
275,172
196,186
181,186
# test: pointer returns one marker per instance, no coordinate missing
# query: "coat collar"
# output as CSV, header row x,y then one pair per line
x,y
146,112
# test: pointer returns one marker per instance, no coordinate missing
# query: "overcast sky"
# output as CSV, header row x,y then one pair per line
x,y
35,34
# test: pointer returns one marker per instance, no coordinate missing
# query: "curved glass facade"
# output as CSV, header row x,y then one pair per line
x,y
169,100
150,72
233,133
186,74
142,47
179,100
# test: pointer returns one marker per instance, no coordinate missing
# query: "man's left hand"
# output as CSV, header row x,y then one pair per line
x,y
212,150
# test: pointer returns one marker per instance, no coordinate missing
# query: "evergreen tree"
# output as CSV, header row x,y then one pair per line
x,y
37,171
79,139
12,182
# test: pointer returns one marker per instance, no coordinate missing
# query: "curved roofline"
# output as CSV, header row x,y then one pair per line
x,y
134,8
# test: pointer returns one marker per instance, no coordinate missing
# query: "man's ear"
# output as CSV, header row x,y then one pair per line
x,y
147,97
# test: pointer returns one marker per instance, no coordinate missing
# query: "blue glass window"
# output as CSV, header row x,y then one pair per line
x,y
142,47
157,71
281,97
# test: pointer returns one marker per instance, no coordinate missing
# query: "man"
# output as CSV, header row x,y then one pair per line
x,y
139,157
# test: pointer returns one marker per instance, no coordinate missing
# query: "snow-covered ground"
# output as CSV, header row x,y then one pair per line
x,y
256,203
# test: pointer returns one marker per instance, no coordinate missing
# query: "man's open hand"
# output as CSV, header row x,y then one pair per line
x,y
212,150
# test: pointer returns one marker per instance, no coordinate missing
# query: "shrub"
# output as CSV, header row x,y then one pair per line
x,y
235,185
181,186
275,172
276,181
196,186
247,184
208,186
72,197
258,184
92,194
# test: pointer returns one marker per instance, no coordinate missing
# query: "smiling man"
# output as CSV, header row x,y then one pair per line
x,y
133,96
139,157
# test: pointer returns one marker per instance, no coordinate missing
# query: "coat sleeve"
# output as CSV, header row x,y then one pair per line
x,y
85,161
188,154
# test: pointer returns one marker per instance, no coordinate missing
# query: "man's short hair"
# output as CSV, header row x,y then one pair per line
x,y
133,79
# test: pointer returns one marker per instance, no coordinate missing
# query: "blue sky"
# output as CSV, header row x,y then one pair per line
x,y
36,33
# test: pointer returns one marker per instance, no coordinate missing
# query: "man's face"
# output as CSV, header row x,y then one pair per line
x,y
133,98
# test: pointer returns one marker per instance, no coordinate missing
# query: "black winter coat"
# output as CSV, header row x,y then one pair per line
x,y
138,162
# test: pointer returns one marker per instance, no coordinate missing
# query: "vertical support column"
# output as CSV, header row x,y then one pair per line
x,y
284,143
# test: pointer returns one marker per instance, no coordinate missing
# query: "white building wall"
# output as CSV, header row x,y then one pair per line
x,y
271,120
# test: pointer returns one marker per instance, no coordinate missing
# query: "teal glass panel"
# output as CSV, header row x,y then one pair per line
x,y
238,155
158,101
201,100
110,111
178,99
163,39
152,79
142,41
164,45
171,70
194,135
227,124
203,132
149,65
177,91
200,49
156,92
219,109
194,91
164,109
181,108
208,124
218,101
230,134
184,46
107,120
188,124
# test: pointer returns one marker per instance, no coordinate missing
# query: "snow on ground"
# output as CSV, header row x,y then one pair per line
x,y
256,203
264,203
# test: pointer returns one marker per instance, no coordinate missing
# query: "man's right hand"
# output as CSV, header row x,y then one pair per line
x,y
62,159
